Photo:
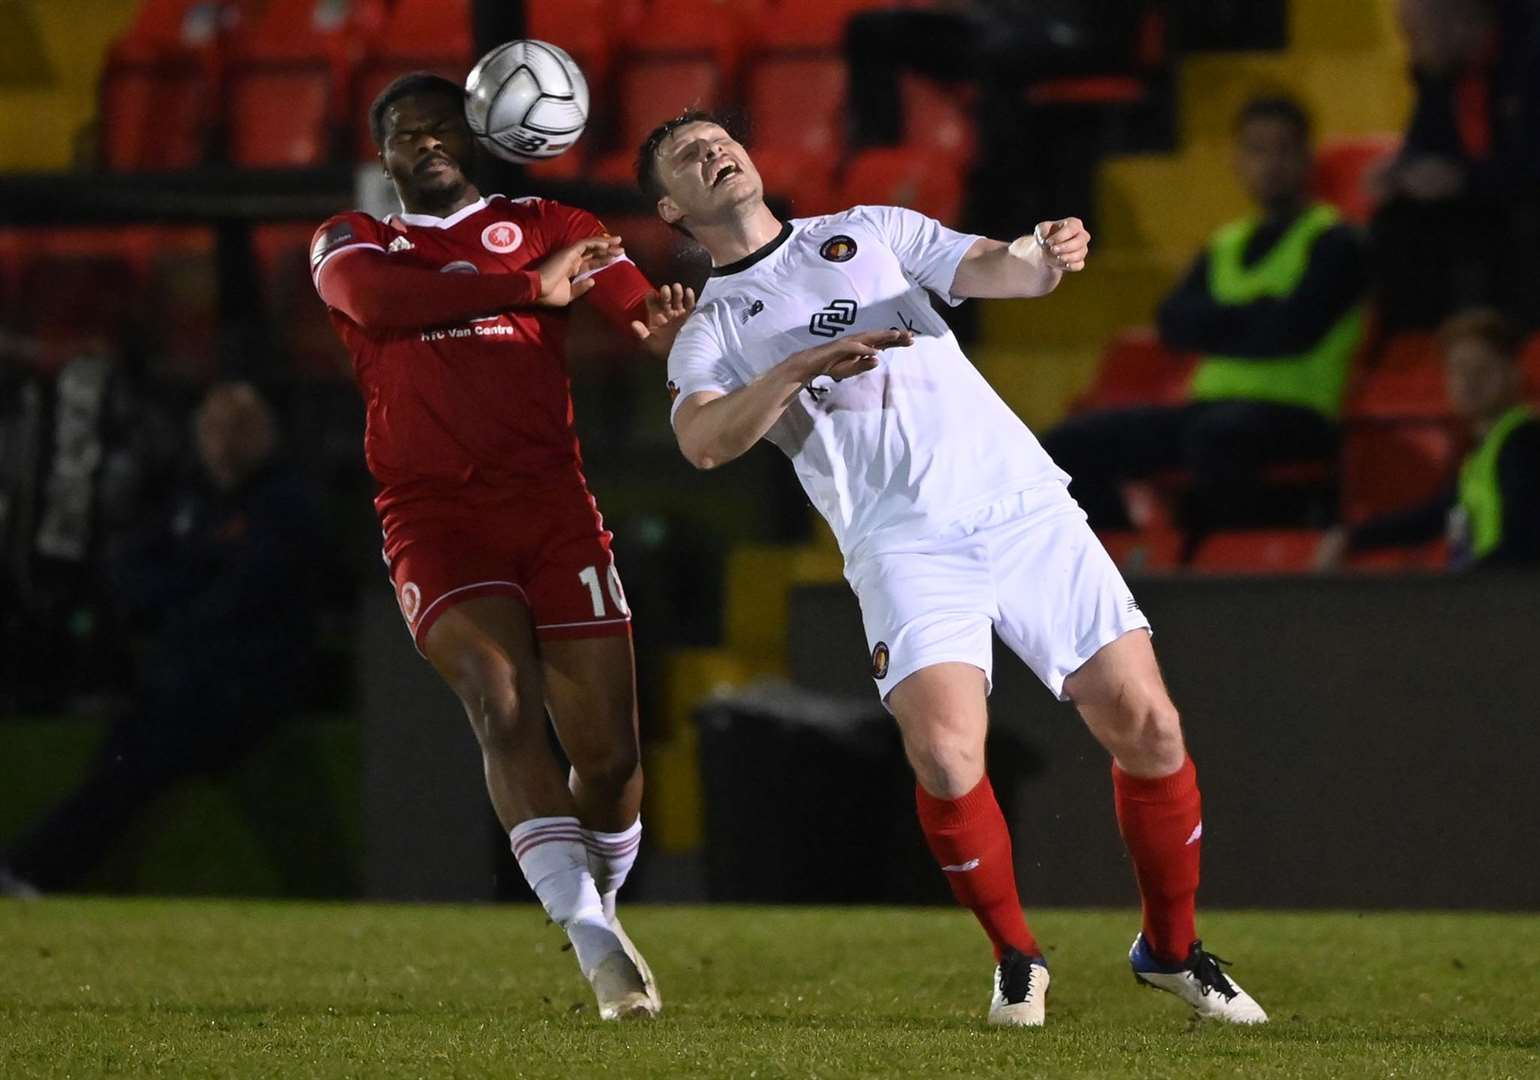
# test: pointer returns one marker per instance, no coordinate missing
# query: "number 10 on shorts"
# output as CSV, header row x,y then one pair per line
x,y
589,576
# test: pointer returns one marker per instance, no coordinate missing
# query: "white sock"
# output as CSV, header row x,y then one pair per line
x,y
610,858
554,859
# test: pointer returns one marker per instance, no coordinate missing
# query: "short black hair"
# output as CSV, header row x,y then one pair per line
x,y
647,154
1276,107
411,84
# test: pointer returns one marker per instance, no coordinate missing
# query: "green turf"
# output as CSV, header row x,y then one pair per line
x,y
91,988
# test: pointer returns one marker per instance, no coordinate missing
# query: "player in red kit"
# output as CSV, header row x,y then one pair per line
x,y
453,313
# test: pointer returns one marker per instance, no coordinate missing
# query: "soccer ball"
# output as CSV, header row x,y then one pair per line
x,y
526,101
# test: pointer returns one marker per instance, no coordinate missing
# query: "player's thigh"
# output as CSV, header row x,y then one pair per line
x,y
925,604
485,649
1062,598
590,688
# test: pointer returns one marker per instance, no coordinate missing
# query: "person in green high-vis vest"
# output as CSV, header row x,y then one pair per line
x,y
1273,305
1490,512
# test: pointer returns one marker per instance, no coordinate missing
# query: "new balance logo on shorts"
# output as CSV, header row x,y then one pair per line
x,y
835,316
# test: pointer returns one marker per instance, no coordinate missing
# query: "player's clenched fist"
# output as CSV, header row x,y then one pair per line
x,y
557,289
1060,245
851,354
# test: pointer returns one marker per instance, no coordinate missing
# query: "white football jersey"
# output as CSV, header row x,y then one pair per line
x,y
902,450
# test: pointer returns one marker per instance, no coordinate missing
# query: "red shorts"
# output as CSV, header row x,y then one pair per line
x,y
552,553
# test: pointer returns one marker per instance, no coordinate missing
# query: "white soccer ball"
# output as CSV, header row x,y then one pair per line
x,y
526,101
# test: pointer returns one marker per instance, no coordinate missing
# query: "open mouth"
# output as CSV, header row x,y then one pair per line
x,y
725,173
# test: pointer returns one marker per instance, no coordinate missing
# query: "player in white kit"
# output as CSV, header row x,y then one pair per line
x,y
953,521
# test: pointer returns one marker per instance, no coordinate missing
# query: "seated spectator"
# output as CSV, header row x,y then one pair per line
x,y
1443,238
1491,511
1274,305
219,587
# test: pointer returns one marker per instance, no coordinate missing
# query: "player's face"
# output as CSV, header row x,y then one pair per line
x,y
1482,381
1273,161
706,173
427,148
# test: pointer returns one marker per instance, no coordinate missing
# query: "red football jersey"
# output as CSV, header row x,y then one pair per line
x,y
481,401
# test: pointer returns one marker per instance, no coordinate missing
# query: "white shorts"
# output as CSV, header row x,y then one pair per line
x,y
1028,567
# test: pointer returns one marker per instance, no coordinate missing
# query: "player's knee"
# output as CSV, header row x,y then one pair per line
x,y
1149,737
489,690
946,765
610,769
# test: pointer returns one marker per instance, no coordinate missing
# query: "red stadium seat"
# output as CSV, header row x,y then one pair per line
x,y
591,31
716,28
796,118
1424,557
1136,369
809,24
1259,551
905,176
1401,393
1342,169
428,35
1145,551
650,90
938,118
156,116
1089,90
1391,466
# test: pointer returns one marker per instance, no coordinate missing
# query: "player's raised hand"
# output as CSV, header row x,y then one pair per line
x,y
557,289
667,309
1062,245
853,354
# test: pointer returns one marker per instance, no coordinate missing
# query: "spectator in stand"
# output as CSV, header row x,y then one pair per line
x,y
220,587
1275,306
1443,237
998,47
1491,512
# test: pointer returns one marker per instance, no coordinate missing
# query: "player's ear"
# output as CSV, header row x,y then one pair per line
x,y
669,210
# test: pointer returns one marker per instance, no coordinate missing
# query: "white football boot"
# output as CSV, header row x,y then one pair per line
x,y
1212,994
1020,991
648,982
619,989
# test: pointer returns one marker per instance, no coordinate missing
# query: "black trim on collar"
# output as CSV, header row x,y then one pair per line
x,y
754,256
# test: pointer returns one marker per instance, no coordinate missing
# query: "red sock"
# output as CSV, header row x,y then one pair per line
x,y
969,839
1162,821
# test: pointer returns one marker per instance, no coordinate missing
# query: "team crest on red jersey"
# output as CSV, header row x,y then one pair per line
x,y
502,237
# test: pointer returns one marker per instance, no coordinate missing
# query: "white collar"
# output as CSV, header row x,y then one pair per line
x,y
428,221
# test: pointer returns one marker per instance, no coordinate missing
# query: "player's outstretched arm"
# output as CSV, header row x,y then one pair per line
x,y
381,295
1030,265
714,428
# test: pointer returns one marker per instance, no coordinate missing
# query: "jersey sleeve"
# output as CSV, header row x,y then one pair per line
x,y
928,251
342,233
698,361
620,289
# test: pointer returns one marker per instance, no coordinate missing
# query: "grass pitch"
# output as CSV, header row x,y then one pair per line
x,y
108,988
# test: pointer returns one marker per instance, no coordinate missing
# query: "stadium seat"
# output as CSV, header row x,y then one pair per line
x,y
1144,551
1393,465
158,91
938,118
719,29
1258,551
905,176
1136,369
808,24
796,122
429,35
1425,557
1400,393
1342,168
288,76
649,89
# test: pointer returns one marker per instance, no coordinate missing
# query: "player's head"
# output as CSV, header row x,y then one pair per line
x,y
1272,151
1481,363
695,172
419,125
235,432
